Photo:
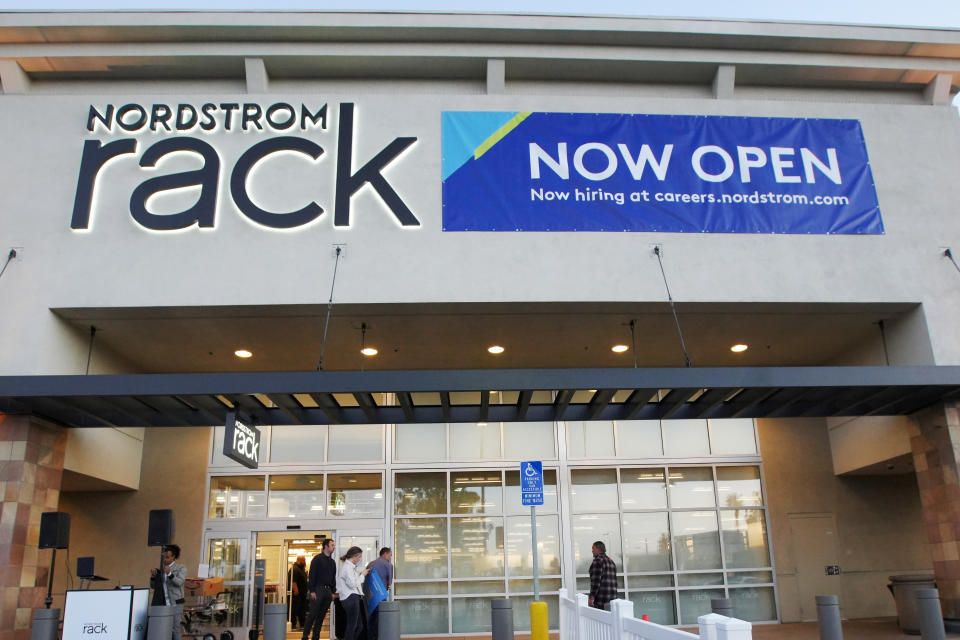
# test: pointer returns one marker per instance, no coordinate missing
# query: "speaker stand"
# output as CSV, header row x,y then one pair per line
x,y
53,563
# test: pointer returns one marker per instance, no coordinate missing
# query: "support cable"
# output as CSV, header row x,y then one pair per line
x,y
10,256
326,323
673,307
93,334
946,252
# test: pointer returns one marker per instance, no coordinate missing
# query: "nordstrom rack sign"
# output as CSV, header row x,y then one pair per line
x,y
241,442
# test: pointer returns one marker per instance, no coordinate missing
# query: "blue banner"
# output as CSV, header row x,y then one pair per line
x,y
531,171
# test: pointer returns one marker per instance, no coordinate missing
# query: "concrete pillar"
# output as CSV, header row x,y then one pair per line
x,y
13,79
257,79
724,81
31,466
937,91
934,432
496,76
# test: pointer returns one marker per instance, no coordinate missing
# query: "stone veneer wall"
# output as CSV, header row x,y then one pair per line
x,y
31,466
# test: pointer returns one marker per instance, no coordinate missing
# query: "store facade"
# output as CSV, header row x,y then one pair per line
x,y
181,187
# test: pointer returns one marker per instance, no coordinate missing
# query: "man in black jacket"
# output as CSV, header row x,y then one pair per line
x,y
299,585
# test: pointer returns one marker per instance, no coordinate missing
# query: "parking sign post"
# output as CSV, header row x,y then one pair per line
x,y
531,495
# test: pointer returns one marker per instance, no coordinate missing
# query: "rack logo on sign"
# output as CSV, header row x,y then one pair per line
x,y
531,483
196,130
241,442
509,171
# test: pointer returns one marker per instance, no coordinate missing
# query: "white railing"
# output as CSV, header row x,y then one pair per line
x,y
581,622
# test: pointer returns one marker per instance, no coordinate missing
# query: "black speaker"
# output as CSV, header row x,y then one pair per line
x,y
85,567
54,530
160,530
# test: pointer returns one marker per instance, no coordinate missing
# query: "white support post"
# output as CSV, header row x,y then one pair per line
x,y
13,78
257,79
621,609
564,620
581,599
708,625
496,76
724,81
733,629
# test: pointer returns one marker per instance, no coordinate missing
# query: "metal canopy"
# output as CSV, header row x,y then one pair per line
x,y
508,395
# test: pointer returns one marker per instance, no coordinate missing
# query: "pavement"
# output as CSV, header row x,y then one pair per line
x,y
868,629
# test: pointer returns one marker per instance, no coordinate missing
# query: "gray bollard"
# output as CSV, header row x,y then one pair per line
x,y
275,622
931,618
722,606
388,626
160,622
45,624
828,617
501,612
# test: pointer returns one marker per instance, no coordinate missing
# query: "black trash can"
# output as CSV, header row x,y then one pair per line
x,y
904,590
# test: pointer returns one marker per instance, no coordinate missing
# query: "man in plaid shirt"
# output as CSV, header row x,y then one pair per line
x,y
603,577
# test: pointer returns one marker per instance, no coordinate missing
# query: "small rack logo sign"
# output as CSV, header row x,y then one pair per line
x,y
241,442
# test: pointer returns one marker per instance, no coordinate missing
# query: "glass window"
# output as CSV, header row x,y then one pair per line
x,y
228,558
588,528
421,548
647,542
520,549
298,443
699,579
217,459
643,489
750,577
237,497
356,495
513,499
529,441
685,438
356,443
691,487
420,588
296,496
521,611
695,603
478,492
639,582
591,439
739,486
421,442
744,538
471,615
524,585
426,616
732,437
754,604
477,586
475,441
658,605
594,490
639,439
476,547
696,540
420,493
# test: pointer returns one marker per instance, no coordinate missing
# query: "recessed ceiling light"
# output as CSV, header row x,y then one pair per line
x,y
369,351
619,348
739,348
496,349
243,353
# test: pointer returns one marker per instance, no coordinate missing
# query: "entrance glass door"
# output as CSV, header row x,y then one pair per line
x,y
368,540
228,557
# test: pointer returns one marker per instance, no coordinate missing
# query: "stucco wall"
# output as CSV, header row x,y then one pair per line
x,y
878,518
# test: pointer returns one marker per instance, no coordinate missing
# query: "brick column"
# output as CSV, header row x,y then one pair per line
x,y
31,466
935,441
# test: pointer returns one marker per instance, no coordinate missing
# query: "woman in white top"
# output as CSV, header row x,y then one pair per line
x,y
350,589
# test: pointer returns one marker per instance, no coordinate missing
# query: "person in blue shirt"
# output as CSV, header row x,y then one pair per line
x,y
384,569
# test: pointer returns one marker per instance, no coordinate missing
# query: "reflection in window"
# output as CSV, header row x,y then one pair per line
x,y
656,604
695,603
227,558
639,439
519,547
647,541
426,616
588,528
475,441
590,439
476,547
421,548
732,436
691,487
421,442
739,486
477,586
356,443
643,489
594,490
529,441
754,603
296,496
685,438
237,497
357,495
420,493
471,615
478,492
696,540
298,443
513,498
744,538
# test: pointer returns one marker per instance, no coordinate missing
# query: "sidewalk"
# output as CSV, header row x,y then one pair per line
x,y
869,629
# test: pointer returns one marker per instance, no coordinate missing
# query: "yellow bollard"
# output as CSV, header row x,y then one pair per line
x,y
539,625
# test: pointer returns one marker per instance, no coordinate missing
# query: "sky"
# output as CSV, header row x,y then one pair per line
x,y
928,13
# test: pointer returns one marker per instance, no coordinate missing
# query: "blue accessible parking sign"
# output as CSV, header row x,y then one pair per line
x,y
531,483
